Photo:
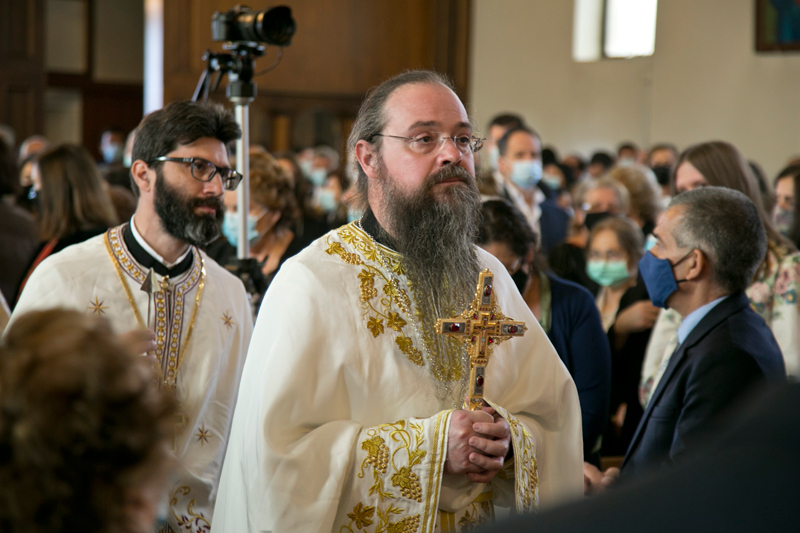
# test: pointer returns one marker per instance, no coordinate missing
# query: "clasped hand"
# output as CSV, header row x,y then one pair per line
x,y
477,445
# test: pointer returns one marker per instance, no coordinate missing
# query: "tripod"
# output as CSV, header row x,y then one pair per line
x,y
241,91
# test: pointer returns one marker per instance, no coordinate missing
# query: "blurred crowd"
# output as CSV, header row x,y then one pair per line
x,y
570,229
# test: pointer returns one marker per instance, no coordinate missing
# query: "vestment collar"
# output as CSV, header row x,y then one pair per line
x,y
148,258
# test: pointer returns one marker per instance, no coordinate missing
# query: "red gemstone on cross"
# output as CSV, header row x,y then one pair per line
x,y
512,329
479,381
455,327
487,291
491,340
472,340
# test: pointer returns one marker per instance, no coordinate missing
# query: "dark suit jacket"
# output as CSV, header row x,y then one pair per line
x,y
579,339
743,482
554,223
729,351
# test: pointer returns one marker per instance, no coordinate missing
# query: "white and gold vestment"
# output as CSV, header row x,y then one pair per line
x,y
205,306
338,426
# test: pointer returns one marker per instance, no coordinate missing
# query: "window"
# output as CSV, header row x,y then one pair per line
x,y
613,29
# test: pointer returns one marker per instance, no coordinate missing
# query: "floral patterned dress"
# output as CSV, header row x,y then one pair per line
x,y
773,295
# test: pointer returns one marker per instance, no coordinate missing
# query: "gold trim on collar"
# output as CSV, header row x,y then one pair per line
x,y
169,349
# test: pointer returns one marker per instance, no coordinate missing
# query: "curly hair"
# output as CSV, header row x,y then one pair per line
x,y
82,425
272,187
645,200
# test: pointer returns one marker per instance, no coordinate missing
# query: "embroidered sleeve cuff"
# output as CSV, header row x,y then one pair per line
x,y
398,475
523,467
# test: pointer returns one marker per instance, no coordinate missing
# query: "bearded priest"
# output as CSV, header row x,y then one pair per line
x,y
199,313
350,414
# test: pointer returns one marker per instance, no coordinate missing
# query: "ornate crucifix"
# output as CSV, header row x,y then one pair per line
x,y
481,327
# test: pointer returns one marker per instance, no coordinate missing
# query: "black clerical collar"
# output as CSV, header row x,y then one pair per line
x,y
373,228
148,261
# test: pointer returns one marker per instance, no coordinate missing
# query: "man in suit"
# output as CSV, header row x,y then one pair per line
x,y
520,169
709,244
744,481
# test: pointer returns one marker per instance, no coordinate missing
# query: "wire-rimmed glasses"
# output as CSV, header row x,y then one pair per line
x,y
426,143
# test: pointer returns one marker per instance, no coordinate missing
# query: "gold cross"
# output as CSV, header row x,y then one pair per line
x,y
481,327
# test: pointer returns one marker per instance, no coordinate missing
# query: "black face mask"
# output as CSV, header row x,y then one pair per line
x,y
662,173
593,219
520,280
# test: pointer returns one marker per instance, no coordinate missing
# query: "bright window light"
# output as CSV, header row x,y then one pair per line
x,y
587,32
630,28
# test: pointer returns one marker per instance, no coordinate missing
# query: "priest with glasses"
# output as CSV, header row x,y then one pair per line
x,y
150,273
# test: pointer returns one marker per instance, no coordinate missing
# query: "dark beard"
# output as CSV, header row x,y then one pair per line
x,y
436,238
178,218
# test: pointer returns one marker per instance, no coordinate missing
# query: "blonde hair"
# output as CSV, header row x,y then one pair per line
x,y
272,187
644,197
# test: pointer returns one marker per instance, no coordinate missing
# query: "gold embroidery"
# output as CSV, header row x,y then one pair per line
x,y
526,477
202,435
408,483
361,515
448,363
97,307
377,454
192,520
377,310
480,511
227,320
169,354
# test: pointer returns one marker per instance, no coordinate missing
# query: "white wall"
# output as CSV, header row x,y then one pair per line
x,y
704,81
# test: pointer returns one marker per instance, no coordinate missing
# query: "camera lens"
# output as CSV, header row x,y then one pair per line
x,y
272,26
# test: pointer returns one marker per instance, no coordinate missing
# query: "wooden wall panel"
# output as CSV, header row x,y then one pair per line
x,y
341,49
22,66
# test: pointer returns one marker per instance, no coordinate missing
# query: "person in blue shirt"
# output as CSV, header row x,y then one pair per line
x,y
565,310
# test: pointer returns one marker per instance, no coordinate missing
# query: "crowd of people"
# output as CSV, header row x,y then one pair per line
x,y
663,283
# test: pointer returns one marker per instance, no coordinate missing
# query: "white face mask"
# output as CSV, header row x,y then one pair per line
x,y
494,155
527,173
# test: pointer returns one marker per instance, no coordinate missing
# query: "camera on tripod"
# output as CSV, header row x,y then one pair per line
x,y
273,26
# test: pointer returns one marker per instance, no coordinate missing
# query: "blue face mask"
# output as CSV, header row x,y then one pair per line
x,y
354,214
318,177
112,153
327,200
659,278
494,155
230,228
554,182
526,174
305,166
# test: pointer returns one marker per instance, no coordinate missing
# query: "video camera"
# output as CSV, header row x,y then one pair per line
x,y
273,26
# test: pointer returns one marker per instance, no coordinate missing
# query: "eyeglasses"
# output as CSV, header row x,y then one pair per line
x,y
204,170
426,143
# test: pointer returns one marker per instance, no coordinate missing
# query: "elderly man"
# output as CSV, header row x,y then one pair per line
x,y
709,244
199,312
349,417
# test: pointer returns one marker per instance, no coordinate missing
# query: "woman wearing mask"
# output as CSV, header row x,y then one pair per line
x,y
774,290
784,216
72,202
565,311
270,221
615,247
596,200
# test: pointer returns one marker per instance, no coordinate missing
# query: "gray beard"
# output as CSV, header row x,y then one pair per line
x,y
436,239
